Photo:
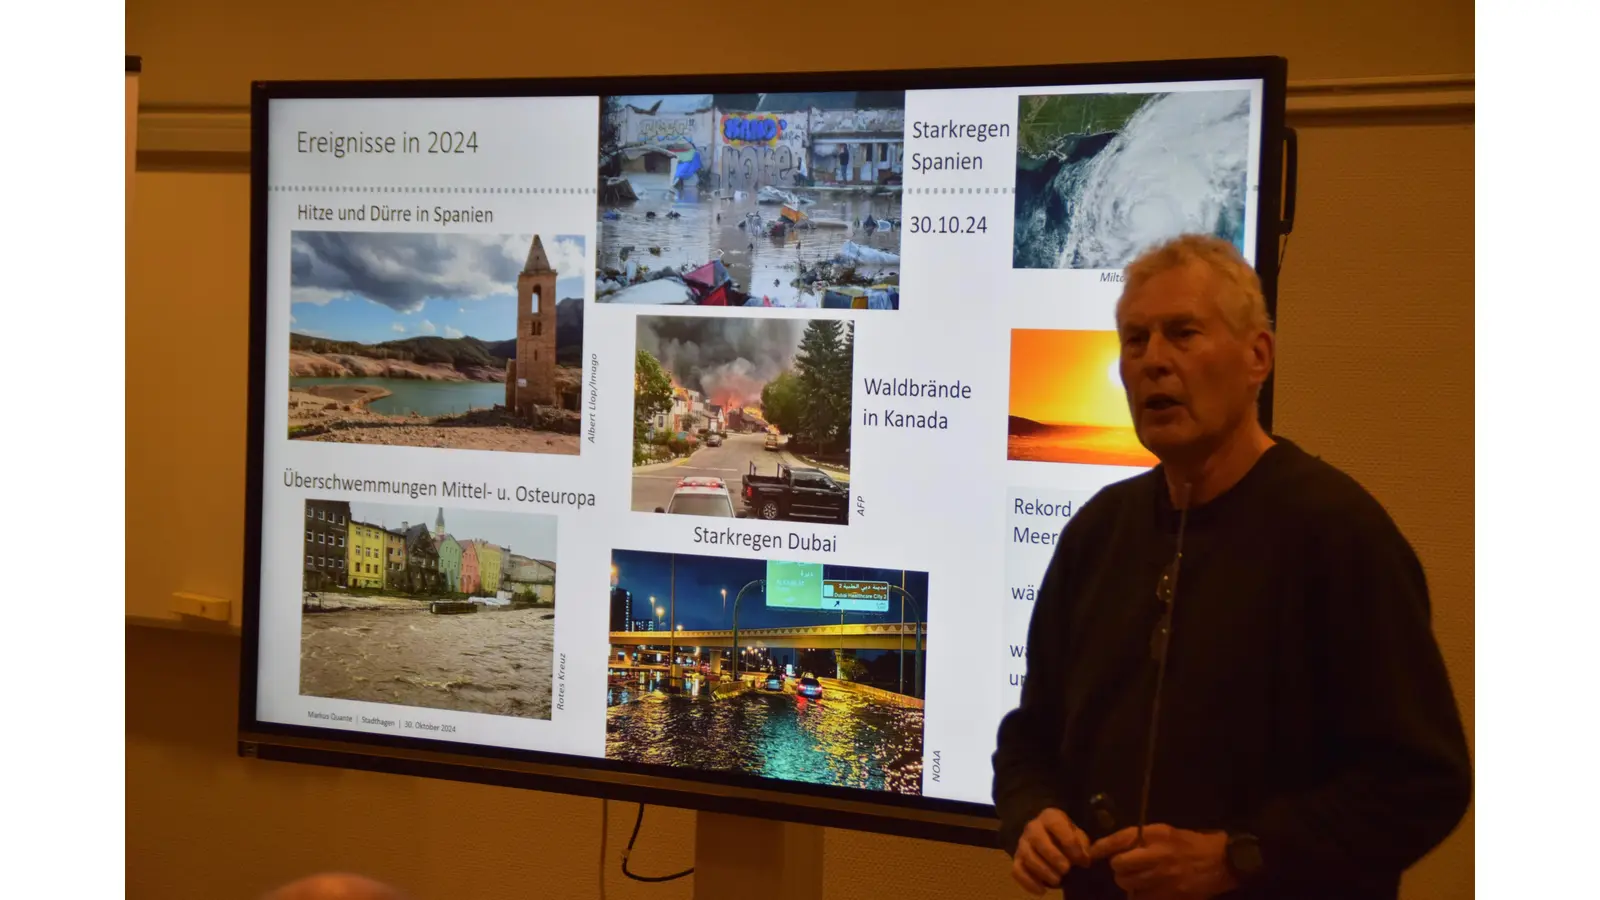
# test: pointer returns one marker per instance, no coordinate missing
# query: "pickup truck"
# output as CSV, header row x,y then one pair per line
x,y
796,493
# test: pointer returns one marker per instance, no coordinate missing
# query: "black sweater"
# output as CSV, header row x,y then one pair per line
x,y
1306,701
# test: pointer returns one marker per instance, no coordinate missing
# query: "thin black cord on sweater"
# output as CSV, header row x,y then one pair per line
x,y
653,879
1164,635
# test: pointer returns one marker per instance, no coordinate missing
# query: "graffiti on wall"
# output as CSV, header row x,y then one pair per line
x,y
759,149
859,121
752,129
663,130
750,168
647,128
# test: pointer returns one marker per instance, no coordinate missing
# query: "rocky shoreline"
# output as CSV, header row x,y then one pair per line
x,y
304,364
339,414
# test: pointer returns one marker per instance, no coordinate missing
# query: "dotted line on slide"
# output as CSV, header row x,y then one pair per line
x,y
369,189
962,190
412,189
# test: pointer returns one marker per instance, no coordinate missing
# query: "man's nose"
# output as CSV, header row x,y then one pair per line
x,y
1157,356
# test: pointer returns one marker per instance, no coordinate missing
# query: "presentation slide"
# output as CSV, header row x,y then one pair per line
x,y
719,432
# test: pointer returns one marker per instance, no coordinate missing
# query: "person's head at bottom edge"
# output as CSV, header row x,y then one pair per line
x,y
336,886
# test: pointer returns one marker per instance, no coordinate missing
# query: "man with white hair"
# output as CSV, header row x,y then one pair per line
x,y
1233,649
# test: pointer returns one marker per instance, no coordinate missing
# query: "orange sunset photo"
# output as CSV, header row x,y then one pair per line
x,y
1067,404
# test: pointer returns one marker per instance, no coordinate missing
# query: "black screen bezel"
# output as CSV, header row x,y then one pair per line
x,y
932,818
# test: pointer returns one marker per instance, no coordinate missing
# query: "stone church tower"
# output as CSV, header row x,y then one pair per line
x,y
531,377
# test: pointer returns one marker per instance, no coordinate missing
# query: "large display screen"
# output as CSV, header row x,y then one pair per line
x,y
721,431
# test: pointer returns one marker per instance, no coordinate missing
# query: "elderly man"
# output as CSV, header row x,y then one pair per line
x,y
1306,743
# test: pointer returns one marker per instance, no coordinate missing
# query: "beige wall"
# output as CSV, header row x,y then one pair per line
x,y
1375,374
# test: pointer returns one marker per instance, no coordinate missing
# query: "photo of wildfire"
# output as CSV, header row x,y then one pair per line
x,y
747,408
1067,402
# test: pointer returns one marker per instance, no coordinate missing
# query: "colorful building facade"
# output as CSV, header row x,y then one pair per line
x,y
450,562
535,578
394,560
489,563
469,567
365,559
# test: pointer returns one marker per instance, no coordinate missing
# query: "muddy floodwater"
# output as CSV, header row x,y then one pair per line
x,y
495,662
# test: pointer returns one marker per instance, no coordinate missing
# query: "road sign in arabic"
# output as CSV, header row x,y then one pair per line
x,y
855,596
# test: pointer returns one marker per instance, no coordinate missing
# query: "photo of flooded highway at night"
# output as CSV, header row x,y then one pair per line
x,y
798,671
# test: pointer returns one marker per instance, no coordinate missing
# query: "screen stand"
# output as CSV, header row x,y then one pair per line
x,y
736,856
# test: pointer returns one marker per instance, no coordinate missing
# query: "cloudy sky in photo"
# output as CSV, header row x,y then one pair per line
x,y
533,536
372,287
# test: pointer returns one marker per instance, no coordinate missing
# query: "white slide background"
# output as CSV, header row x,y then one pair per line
x,y
941,501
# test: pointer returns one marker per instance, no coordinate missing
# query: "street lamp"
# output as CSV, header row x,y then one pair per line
x,y
659,613
672,613
917,638
733,643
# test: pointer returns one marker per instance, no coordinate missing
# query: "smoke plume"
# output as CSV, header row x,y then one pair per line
x,y
727,360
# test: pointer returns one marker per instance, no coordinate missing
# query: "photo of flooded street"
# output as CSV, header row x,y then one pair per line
x,y
789,200
850,739
499,662
459,615
803,672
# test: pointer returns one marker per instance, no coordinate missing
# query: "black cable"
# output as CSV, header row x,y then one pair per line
x,y
1168,590
1283,250
652,879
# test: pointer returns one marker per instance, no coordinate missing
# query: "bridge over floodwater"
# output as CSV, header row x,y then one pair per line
x,y
851,636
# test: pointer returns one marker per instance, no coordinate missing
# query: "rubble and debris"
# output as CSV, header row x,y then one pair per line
x,y
617,190
659,292
860,253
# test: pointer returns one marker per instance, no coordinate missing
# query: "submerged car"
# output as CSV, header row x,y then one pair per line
x,y
810,687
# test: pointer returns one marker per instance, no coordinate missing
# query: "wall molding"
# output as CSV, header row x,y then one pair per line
x,y
188,137
1400,98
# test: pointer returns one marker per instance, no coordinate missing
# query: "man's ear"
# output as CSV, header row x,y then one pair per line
x,y
1263,353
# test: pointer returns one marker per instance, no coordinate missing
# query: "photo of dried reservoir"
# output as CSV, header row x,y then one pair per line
x,y
429,607
743,417
751,199
1067,402
1102,177
799,671
461,341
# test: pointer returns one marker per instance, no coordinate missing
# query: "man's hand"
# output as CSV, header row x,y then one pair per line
x,y
1050,846
1172,863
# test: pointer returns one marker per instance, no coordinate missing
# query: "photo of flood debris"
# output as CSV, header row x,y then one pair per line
x,y
754,200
